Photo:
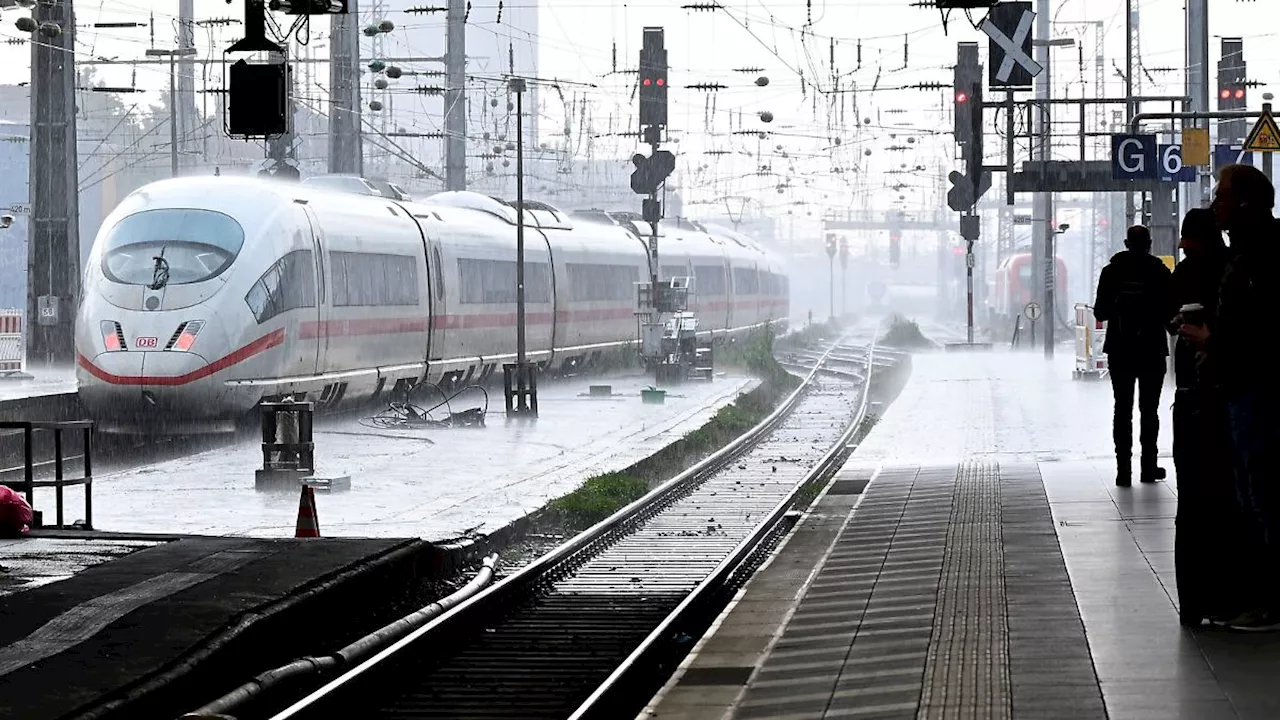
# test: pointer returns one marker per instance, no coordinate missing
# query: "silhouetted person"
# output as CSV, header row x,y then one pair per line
x,y
1133,299
1207,540
1240,348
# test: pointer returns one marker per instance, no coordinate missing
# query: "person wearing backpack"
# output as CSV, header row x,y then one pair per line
x,y
1133,299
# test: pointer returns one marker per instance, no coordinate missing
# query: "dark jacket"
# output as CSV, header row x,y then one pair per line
x,y
1195,280
1133,299
1241,342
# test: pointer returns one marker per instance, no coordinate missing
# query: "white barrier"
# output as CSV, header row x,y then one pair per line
x,y
13,349
1091,362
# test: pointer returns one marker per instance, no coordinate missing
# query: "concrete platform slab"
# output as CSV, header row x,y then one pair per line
x,y
149,633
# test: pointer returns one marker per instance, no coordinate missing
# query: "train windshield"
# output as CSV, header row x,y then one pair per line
x,y
171,247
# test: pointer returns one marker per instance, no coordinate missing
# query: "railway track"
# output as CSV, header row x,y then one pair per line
x,y
593,628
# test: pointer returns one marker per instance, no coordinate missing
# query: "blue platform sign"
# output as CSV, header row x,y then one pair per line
x,y
1171,167
1134,157
1230,155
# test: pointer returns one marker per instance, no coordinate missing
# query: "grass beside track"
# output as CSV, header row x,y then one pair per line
x,y
602,495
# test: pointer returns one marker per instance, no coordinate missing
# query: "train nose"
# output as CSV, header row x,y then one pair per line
x,y
150,390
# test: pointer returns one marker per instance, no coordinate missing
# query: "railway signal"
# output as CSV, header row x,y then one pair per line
x,y
653,78
1233,90
973,182
651,172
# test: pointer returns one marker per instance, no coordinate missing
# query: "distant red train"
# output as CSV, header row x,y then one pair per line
x,y
1013,286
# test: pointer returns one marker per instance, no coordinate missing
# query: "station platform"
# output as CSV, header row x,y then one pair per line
x,y
974,559
199,614
429,482
41,383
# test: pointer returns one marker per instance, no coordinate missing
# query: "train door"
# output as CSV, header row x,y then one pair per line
x,y
437,306
554,329
730,294
758,302
317,320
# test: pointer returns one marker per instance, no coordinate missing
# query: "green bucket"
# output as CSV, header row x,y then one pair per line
x,y
653,395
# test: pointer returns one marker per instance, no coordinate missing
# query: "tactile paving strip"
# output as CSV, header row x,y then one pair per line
x,y
945,598
967,674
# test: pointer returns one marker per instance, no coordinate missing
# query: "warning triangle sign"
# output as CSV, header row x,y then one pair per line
x,y
1265,136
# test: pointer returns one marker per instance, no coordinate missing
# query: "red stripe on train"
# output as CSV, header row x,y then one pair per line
x,y
262,344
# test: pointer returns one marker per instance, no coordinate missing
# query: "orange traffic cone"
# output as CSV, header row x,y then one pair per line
x,y
308,522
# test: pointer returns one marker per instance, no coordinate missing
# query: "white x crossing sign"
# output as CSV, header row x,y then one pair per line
x,y
1009,27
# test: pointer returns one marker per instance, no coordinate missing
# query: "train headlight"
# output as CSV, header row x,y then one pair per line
x,y
185,337
112,336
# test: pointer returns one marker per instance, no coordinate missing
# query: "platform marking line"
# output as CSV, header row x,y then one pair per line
x,y
92,616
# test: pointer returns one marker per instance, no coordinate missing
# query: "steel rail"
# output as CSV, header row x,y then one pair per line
x,y
480,608
611,695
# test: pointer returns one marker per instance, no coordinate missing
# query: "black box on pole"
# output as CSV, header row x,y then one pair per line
x,y
259,95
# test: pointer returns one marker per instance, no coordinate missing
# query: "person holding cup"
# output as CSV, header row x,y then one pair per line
x,y
1206,539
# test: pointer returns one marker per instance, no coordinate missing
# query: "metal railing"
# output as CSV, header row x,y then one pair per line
x,y
29,483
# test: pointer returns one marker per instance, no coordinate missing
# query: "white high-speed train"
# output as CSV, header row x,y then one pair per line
x,y
205,295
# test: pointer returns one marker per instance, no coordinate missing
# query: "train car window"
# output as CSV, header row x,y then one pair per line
x,y
494,281
670,271
195,245
590,283
745,281
709,279
287,285
373,279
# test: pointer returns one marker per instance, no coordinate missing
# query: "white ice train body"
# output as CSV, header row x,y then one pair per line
x,y
270,288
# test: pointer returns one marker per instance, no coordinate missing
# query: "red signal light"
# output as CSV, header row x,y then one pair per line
x,y
962,97
661,82
647,82
1240,94
1225,94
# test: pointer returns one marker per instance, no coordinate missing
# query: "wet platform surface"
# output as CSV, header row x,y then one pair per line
x,y
41,383
27,563
66,646
435,483
974,559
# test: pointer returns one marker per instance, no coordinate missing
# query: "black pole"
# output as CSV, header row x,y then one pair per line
x,y
523,406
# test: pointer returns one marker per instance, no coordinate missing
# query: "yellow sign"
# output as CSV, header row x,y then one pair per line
x,y
1195,146
1168,261
1265,136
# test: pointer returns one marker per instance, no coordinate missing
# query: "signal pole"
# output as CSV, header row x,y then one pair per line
x,y
831,275
53,240
650,174
969,186
455,97
1198,78
186,89
346,152
522,400
844,276
173,100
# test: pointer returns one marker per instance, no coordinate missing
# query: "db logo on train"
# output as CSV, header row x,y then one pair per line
x,y
146,342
